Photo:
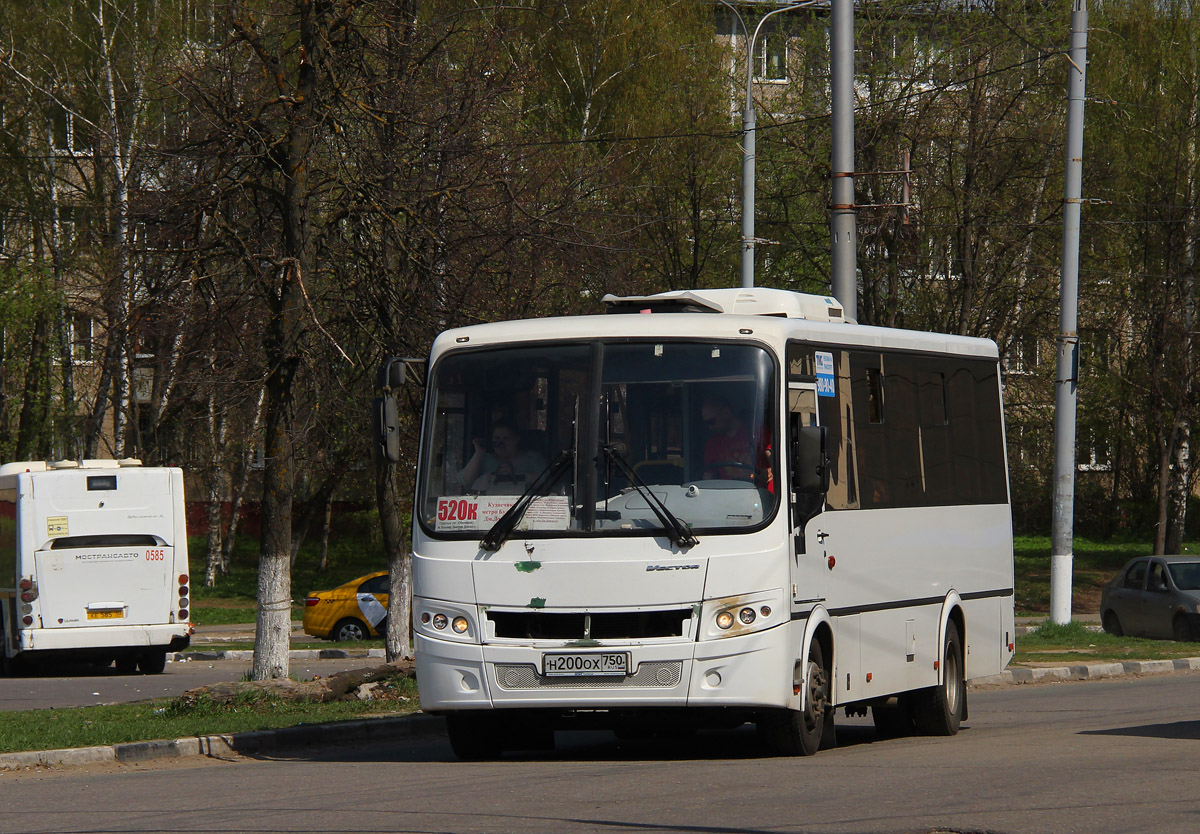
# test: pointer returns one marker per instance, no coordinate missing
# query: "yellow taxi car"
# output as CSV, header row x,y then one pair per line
x,y
354,611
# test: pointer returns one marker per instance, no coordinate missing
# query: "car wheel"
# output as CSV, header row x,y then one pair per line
x,y
1112,624
939,710
126,664
349,629
1182,630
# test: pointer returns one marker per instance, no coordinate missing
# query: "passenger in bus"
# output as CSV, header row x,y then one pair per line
x,y
728,453
506,467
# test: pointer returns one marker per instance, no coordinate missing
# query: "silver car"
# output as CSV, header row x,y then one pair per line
x,y
1154,596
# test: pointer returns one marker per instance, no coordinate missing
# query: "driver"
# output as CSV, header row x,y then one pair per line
x,y
728,453
505,463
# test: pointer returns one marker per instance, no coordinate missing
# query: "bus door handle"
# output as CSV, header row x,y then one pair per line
x,y
822,536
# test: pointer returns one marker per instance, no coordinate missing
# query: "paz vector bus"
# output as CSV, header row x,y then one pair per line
x,y
93,563
704,509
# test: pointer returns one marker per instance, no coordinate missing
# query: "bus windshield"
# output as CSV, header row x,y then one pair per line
x,y
690,424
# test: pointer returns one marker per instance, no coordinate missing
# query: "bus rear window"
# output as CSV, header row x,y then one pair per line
x,y
116,540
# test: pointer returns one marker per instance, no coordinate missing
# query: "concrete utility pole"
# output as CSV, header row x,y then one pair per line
x,y
843,216
1067,379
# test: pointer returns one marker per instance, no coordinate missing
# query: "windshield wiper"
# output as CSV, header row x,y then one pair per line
x,y
675,529
541,486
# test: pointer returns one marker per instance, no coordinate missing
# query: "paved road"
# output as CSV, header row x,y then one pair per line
x,y
1114,756
83,685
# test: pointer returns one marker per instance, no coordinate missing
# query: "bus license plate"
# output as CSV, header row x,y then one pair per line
x,y
106,615
585,663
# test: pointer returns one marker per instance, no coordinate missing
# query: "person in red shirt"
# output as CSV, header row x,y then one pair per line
x,y
728,453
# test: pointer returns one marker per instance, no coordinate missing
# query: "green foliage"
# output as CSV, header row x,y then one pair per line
x,y
1075,642
148,720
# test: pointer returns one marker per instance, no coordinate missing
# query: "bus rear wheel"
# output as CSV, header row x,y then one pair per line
x,y
939,710
152,663
789,732
474,737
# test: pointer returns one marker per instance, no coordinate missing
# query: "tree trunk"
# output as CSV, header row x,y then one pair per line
x,y
1181,483
215,565
398,638
1164,489
272,640
239,489
31,428
324,565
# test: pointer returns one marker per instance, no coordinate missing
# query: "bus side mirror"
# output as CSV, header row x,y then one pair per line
x,y
385,425
809,461
392,373
385,410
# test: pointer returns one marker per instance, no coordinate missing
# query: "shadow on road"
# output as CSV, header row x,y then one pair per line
x,y
1189,730
583,746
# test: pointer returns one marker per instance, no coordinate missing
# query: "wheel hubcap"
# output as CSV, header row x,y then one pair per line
x,y
953,683
817,696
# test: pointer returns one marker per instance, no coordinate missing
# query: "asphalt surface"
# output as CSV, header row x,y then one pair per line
x,y
209,639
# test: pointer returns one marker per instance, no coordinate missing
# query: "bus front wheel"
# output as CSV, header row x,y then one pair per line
x,y
789,732
939,710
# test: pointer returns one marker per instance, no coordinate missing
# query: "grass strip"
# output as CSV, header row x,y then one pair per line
x,y
52,729
1073,643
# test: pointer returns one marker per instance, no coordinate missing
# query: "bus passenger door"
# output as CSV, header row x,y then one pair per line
x,y
806,497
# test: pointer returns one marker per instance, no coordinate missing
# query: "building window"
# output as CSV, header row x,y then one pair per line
x,y
1091,451
1023,355
770,58
82,337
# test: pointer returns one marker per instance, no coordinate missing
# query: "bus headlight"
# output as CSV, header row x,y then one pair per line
x,y
730,616
446,620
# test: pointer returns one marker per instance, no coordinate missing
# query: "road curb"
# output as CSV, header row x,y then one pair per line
x,y
1087,672
219,745
293,654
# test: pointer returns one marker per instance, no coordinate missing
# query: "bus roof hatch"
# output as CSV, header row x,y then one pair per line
x,y
753,301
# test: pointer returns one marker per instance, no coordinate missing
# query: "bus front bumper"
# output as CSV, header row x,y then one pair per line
x,y
751,670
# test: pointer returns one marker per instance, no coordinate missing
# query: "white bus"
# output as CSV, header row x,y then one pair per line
x,y
703,509
93,563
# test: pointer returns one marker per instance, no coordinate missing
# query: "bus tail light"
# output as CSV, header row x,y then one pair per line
x,y
29,590
183,598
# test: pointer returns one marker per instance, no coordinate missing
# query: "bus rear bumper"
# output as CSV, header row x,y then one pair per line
x,y
104,637
752,670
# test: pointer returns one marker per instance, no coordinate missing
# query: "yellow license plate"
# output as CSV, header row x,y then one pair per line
x,y
106,615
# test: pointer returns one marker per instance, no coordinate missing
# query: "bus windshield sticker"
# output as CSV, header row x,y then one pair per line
x,y
481,512
825,384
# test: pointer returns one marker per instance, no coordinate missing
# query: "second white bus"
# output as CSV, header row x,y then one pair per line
x,y
93,563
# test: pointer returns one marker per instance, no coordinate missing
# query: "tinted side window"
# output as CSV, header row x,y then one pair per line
x,y
375,585
1135,575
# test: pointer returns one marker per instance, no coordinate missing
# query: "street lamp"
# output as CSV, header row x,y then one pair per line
x,y
748,136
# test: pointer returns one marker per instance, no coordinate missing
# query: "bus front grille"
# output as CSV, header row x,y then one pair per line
x,y
656,674
607,625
